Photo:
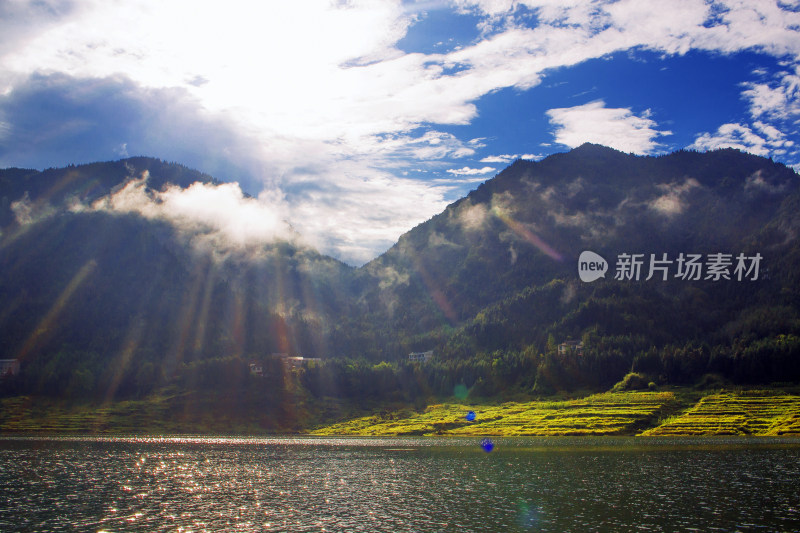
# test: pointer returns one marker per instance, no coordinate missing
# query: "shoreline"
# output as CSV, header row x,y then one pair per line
x,y
677,412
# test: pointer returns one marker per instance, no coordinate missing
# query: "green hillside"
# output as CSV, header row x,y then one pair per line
x,y
104,306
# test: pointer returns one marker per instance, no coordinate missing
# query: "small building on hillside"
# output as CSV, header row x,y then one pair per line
x,y
297,361
9,367
301,361
420,357
570,347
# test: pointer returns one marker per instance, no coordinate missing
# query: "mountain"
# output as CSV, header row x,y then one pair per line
x,y
497,270
109,283
101,283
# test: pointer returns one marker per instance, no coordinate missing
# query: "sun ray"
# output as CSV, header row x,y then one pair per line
x,y
120,364
205,306
238,321
44,327
527,234
185,321
435,292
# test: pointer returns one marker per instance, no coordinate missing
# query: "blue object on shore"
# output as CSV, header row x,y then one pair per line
x,y
487,445
471,416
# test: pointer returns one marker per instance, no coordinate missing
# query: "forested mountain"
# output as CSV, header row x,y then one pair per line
x,y
496,274
102,288
97,285
528,225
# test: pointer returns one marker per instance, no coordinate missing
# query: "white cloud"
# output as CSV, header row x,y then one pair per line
x,y
741,137
211,215
27,212
673,26
614,127
672,201
358,211
776,101
431,145
504,158
315,100
468,171
774,107
349,82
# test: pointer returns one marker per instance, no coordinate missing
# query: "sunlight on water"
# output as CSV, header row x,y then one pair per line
x,y
397,484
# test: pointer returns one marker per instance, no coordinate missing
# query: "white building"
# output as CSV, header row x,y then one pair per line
x,y
571,346
422,357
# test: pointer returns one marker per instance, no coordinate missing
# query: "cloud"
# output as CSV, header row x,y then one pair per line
x,y
27,212
432,145
675,26
672,201
56,119
742,137
352,211
472,217
346,202
504,158
756,182
314,103
467,171
217,216
595,123
777,101
369,87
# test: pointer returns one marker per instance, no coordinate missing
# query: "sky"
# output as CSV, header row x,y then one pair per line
x,y
350,122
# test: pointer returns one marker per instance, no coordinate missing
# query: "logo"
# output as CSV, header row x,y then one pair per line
x,y
591,267
714,267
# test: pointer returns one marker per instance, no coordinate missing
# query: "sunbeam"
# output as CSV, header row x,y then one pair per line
x,y
43,328
183,326
205,305
437,294
527,234
120,364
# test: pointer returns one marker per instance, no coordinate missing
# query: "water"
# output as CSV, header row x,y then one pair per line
x,y
399,484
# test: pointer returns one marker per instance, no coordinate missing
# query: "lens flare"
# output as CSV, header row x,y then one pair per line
x,y
460,391
527,234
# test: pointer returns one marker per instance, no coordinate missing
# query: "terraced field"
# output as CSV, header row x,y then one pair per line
x,y
21,414
152,415
737,413
599,414
678,412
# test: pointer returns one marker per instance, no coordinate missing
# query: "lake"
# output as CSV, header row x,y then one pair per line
x,y
399,484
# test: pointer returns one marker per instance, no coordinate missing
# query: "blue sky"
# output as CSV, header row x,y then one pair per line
x,y
353,121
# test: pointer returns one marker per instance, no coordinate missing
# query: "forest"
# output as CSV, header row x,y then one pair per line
x,y
102,306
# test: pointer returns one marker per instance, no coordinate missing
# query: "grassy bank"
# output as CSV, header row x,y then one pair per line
x,y
598,414
163,413
626,413
663,413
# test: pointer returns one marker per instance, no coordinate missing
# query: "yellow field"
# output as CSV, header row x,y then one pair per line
x,y
737,413
599,414
678,412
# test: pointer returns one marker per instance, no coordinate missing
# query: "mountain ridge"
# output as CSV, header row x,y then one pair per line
x,y
87,290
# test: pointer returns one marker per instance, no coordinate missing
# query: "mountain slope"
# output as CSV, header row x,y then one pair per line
x,y
107,284
526,228
93,287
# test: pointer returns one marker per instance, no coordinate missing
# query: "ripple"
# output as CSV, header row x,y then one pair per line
x,y
398,484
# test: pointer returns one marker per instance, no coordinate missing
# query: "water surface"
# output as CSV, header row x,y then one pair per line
x,y
399,484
